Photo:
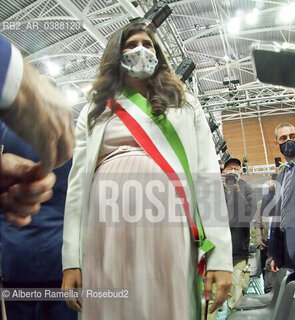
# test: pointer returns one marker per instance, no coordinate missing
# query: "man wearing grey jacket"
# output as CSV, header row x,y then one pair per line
x,y
241,207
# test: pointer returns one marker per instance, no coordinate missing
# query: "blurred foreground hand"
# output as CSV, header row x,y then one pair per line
x,y
23,188
40,115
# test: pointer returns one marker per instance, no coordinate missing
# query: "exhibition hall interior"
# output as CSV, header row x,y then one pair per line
x,y
201,90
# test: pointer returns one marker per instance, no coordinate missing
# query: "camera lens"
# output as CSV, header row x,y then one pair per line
x,y
231,179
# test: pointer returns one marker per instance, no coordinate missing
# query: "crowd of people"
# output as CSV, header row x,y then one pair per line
x,y
142,205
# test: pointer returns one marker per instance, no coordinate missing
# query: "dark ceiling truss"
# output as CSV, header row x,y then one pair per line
x,y
249,103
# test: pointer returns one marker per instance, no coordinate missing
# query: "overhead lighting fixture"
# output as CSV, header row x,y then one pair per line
x,y
287,13
230,80
234,25
225,157
158,13
252,17
53,68
240,13
86,88
221,146
245,164
226,58
185,69
213,126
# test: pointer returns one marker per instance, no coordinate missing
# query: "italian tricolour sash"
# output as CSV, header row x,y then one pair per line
x,y
161,142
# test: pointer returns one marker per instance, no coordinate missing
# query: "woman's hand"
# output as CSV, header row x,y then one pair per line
x,y
223,281
72,279
273,267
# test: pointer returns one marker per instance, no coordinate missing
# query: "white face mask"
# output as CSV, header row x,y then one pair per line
x,y
139,62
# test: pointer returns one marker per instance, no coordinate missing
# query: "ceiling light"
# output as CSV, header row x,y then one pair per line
x,y
226,58
234,25
230,80
287,13
220,146
260,4
53,68
185,69
72,95
158,13
225,156
213,126
240,13
86,88
252,17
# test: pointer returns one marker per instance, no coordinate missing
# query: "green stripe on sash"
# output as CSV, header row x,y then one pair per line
x,y
173,139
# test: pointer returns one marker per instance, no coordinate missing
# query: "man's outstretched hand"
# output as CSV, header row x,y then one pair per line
x,y
23,188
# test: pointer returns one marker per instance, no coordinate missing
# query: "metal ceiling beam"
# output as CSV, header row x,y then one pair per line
x,y
275,100
54,45
254,89
211,80
28,8
113,6
117,18
204,70
36,55
236,103
254,31
52,8
67,54
88,6
77,73
76,13
192,17
226,66
205,54
76,81
129,7
201,35
254,115
179,3
271,29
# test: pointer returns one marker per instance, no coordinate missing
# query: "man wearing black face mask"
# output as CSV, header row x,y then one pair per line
x,y
282,237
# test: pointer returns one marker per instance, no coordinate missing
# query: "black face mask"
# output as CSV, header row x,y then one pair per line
x,y
288,148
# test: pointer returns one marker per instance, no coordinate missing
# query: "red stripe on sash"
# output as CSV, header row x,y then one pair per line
x,y
147,144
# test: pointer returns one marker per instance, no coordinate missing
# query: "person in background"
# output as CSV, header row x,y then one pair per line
x,y
282,236
37,112
241,208
142,128
261,228
31,256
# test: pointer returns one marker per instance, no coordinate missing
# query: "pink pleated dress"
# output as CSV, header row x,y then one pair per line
x,y
145,265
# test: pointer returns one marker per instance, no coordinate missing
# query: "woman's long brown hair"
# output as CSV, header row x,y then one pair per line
x,y
164,89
